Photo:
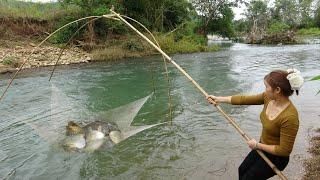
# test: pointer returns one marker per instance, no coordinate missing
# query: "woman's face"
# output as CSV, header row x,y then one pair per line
x,y
269,91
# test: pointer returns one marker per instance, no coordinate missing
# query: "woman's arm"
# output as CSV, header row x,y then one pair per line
x,y
218,99
238,99
253,144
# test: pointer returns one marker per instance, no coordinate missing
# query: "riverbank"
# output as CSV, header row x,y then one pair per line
x,y
12,55
312,164
279,37
25,24
14,51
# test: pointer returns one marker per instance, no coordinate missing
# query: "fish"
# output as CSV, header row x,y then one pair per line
x,y
108,128
93,135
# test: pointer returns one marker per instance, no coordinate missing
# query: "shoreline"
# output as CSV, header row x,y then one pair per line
x,y
12,56
14,52
312,163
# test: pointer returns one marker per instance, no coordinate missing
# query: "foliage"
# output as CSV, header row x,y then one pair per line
x,y
213,10
265,22
65,34
305,9
160,15
316,78
223,25
311,31
287,11
93,7
132,45
257,10
257,16
40,11
11,61
95,28
317,15
187,28
277,27
187,44
241,26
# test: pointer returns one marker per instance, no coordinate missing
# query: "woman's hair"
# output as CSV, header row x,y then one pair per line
x,y
278,78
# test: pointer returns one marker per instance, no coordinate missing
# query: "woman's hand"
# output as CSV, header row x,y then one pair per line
x,y
253,144
218,99
212,99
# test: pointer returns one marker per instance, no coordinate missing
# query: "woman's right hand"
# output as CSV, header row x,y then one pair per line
x,y
212,99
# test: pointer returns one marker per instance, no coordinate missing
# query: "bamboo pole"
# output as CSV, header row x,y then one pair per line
x,y
165,66
231,121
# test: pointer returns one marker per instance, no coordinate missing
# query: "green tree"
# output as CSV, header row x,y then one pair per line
x,y
160,15
257,14
95,7
211,10
317,15
287,11
305,9
241,26
223,25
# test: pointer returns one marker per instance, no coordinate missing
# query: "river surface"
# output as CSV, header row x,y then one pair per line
x,y
200,144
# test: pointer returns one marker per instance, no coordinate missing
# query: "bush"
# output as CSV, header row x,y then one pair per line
x,y
316,78
277,28
132,45
11,61
187,44
311,31
65,34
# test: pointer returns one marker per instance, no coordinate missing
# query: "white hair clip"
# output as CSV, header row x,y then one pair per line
x,y
295,79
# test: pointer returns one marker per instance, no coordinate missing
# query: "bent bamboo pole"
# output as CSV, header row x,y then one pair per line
x,y
231,121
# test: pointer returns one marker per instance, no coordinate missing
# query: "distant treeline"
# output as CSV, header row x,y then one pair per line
x,y
280,16
180,17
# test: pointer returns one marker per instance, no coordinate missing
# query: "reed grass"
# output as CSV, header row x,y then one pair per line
x,y
132,46
186,44
309,32
32,10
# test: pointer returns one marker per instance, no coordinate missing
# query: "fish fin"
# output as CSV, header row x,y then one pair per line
x,y
115,136
124,115
136,129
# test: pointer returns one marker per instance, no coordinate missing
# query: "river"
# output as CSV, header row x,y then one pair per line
x,y
200,144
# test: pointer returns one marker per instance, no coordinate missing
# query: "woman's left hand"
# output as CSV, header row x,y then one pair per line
x,y
252,143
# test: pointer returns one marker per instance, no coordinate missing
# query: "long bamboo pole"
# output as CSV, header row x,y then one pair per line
x,y
165,66
231,121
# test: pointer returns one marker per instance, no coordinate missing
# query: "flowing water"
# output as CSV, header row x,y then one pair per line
x,y
200,144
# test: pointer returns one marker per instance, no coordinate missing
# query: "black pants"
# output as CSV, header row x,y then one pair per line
x,y
255,168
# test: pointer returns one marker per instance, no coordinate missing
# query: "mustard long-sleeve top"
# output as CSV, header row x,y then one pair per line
x,y
280,131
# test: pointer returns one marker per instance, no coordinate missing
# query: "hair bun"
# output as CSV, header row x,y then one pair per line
x,y
295,79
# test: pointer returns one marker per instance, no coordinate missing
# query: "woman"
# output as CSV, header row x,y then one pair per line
x,y
280,123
